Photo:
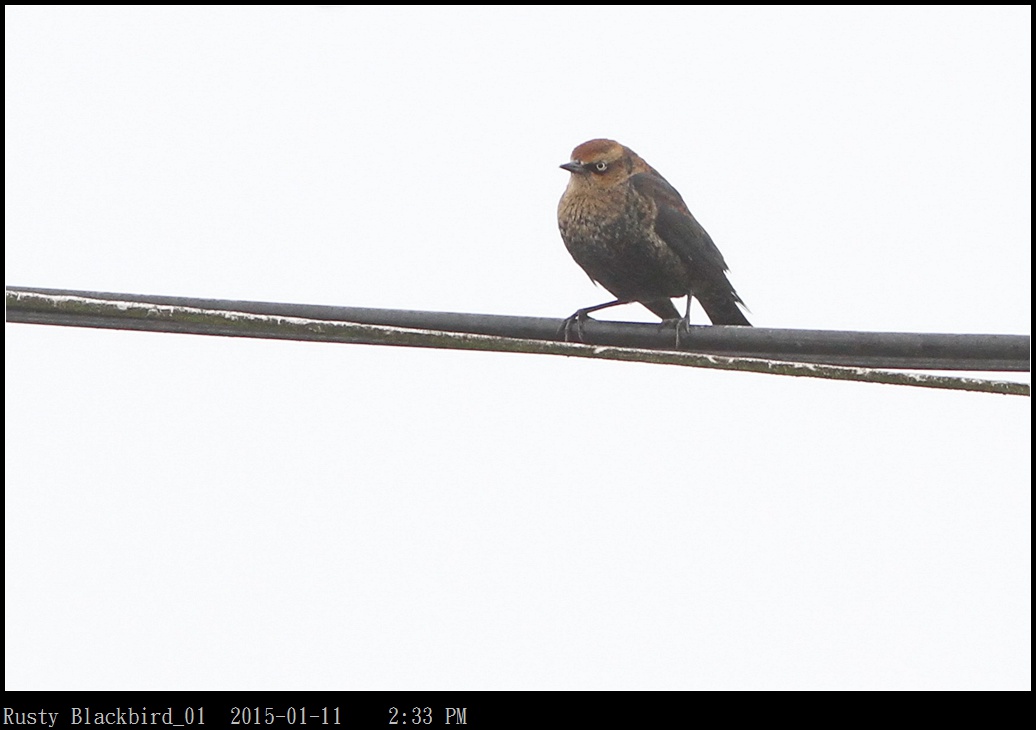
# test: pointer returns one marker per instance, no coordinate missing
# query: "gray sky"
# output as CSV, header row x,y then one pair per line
x,y
203,513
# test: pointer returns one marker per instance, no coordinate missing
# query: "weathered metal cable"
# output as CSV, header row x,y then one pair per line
x,y
136,312
915,351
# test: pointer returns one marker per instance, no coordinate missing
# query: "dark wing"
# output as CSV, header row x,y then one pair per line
x,y
675,225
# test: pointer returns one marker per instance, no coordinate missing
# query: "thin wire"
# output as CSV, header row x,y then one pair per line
x,y
904,350
67,310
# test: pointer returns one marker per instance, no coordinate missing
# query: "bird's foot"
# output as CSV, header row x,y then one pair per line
x,y
680,327
572,328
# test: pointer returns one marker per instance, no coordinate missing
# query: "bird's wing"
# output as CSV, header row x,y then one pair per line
x,y
676,226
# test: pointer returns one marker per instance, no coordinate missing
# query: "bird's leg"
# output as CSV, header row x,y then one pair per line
x,y
684,324
574,324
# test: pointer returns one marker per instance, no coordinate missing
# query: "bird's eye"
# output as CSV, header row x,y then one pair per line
x,y
600,166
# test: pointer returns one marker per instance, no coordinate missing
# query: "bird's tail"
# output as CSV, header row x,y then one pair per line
x,y
722,307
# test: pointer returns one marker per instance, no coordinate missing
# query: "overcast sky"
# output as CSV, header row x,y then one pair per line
x,y
190,512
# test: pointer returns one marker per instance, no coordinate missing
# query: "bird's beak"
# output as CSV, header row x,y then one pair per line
x,y
574,166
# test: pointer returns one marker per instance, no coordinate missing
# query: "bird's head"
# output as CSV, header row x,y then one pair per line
x,y
601,163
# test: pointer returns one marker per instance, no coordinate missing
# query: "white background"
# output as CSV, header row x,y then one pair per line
x,y
204,513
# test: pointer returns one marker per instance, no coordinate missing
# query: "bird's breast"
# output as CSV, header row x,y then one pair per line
x,y
611,235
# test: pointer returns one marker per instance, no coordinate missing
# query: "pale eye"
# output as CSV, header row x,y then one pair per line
x,y
601,166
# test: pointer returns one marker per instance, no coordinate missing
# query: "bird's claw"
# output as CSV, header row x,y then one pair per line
x,y
681,328
573,326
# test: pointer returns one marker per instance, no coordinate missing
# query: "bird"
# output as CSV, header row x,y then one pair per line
x,y
632,233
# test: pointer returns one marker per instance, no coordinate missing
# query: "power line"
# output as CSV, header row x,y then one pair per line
x,y
469,331
915,351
